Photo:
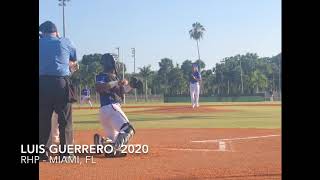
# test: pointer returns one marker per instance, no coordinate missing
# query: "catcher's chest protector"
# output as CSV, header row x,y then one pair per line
x,y
113,95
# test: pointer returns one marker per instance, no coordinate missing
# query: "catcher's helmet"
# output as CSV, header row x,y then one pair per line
x,y
108,62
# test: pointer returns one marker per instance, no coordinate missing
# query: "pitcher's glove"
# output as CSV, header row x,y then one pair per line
x,y
136,83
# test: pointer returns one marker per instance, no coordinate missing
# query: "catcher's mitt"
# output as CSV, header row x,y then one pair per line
x,y
136,83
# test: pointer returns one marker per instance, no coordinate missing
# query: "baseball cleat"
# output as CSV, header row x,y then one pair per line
x,y
99,140
106,141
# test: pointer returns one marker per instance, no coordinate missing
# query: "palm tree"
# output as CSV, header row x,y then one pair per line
x,y
145,72
258,80
196,33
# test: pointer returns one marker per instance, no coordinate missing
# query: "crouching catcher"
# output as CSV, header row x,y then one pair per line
x,y
118,129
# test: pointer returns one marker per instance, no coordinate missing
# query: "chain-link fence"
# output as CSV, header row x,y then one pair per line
x,y
129,98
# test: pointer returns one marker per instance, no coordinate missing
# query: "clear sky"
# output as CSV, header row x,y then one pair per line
x,y
159,28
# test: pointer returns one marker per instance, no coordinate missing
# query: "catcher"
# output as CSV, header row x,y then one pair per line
x,y
118,129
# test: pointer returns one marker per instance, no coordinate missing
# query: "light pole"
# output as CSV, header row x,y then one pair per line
x,y
63,4
118,50
133,50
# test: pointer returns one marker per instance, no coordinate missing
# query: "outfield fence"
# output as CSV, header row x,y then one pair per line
x,y
130,99
216,99
143,98
140,98
172,99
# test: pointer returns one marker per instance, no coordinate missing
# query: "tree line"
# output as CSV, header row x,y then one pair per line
x,y
246,74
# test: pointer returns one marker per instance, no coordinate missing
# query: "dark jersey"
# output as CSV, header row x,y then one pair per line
x,y
110,96
196,75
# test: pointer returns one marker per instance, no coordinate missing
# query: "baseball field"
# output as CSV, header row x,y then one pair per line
x,y
214,141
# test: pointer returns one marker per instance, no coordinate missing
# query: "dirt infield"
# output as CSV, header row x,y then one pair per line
x,y
183,154
164,109
180,109
186,106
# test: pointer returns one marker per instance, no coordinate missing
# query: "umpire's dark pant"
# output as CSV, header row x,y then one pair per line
x,y
53,93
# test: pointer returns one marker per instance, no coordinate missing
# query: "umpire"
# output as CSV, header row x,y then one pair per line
x,y
55,92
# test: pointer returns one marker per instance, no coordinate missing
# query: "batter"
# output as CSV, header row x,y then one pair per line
x,y
85,96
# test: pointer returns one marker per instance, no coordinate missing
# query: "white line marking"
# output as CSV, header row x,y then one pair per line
x,y
242,138
188,149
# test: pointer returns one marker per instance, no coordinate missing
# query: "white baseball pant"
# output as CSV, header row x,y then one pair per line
x,y
85,99
194,93
112,118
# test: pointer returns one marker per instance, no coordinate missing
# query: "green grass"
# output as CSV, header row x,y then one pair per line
x,y
242,117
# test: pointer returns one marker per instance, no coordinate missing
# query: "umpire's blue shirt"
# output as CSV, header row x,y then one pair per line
x,y
54,56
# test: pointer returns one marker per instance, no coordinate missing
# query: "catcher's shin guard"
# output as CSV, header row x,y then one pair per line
x,y
126,133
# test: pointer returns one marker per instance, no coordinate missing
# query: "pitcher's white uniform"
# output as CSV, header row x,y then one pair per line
x,y
195,79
